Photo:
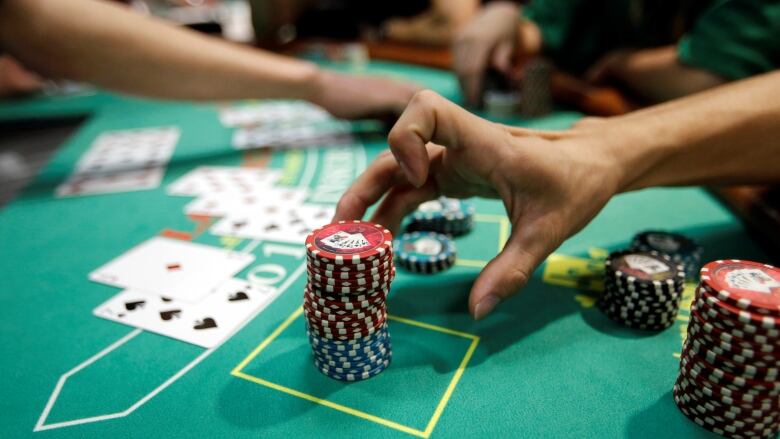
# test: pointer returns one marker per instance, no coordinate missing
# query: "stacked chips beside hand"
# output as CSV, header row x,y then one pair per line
x,y
350,269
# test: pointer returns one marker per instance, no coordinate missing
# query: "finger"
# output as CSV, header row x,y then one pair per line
x,y
400,201
502,57
377,179
508,272
431,118
470,61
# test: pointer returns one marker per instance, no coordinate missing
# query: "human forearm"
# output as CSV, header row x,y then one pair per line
x,y
104,44
657,75
725,135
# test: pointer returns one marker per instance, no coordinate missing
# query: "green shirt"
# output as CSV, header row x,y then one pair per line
x,y
730,38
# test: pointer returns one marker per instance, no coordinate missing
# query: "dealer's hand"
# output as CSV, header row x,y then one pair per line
x,y
353,96
551,185
489,40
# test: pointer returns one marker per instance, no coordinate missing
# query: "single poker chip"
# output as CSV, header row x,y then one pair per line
x,y
349,242
358,376
337,320
370,302
443,215
371,313
369,345
350,271
342,369
353,328
425,252
343,333
356,336
370,320
350,289
750,286
650,269
353,365
359,285
729,310
338,312
326,265
329,297
679,248
378,273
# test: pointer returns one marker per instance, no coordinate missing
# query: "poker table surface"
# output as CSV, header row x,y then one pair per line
x,y
546,363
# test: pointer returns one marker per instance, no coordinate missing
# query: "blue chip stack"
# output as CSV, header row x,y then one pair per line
x,y
679,248
425,252
443,215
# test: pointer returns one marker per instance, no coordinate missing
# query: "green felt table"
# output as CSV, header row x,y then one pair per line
x,y
546,364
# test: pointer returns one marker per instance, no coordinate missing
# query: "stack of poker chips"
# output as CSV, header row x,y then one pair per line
x,y
443,215
729,380
425,252
535,88
679,248
350,269
642,289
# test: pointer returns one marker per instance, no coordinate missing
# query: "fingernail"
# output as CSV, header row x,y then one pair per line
x,y
407,173
485,306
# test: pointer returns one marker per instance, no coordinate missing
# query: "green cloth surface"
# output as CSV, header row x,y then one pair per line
x,y
545,364
730,38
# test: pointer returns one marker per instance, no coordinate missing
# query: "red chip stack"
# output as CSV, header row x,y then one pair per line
x,y
729,380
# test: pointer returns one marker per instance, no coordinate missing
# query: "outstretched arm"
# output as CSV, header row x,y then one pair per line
x,y
105,44
553,183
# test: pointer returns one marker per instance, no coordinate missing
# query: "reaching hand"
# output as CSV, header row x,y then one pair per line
x,y
551,184
489,40
353,97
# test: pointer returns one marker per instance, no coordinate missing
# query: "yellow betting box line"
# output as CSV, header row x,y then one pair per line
x,y
238,372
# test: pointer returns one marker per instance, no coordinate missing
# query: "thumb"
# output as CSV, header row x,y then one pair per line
x,y
507,273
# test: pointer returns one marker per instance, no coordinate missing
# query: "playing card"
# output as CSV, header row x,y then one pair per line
x,y
116,181
218,181
171,268
281,223
329,133
272,112
120,161
206,323
224,205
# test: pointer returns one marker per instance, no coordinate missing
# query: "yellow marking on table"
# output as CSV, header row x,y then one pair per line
x,y
574,272
293,162
239,373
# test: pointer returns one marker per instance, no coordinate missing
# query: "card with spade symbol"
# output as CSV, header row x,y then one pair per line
x,y
206,323
283,223
172,268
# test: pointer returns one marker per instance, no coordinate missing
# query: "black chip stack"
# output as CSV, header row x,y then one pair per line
x,y
642,290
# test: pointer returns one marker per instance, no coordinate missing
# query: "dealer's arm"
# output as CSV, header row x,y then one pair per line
x,y
553,183
105,44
